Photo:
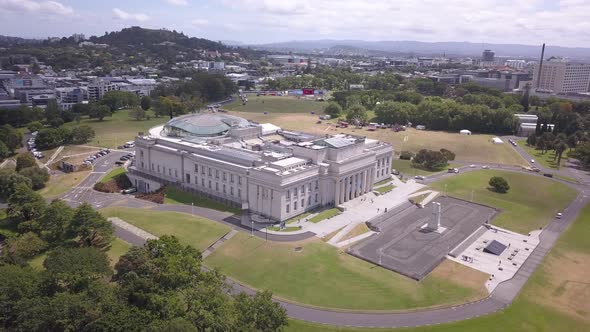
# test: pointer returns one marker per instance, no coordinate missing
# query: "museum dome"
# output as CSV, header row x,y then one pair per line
x,y
203,125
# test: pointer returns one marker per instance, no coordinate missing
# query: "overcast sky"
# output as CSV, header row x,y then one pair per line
x,y
565,22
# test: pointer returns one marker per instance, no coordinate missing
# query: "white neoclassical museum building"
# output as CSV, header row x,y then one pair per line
x,y
273,174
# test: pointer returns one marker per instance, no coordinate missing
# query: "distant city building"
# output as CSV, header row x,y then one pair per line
x,y
562,77
98,87
68,97
271,174
78,37
488,56
516,64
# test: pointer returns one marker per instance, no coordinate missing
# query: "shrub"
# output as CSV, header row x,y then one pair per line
x,y
406,155
499,184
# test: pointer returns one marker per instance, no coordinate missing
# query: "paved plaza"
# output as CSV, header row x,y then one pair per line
x,y
403,246
500,267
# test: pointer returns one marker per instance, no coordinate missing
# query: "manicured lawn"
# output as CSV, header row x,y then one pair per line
x,y
356,231
546,159
61,183
119,128
286,229
297,218
326,214
382,182
554,299
385,189
419,199
118,248
196,231
177,196
112,174
531,202
273,104
321,275
405,167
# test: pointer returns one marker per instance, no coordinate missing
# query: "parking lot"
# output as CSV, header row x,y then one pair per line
x,y
402,246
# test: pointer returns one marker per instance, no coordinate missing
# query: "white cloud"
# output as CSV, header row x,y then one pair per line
x,y
177,2
487,21
30,6
123,15
199,22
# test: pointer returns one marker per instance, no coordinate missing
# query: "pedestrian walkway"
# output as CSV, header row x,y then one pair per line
x,y
120,223
54,155
353,240
219,242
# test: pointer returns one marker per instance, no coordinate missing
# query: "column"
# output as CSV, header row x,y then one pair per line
x,y
342,188
365,181
357,184
346,188
337,191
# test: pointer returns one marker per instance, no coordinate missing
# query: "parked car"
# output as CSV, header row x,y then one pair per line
x,y
128,191
472,166
119,162
549,175
532,161
485,167
394,172
419,177
124,158
453,170
535,169
558,215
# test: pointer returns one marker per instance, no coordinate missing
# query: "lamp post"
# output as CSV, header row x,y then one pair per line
x,y
252,229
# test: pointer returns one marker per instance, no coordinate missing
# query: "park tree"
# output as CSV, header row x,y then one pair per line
x,y
116,100
38,176
82,134
560,147
4,151
357,114
91,227
146,103
16,283
448,154
260,313
333,109
430,160
23,247
73,269
499,184
55,222
52,111
406,155
11,137
34,126
25,160
99,112
25,207
394,112
137,113
531,140
524,100
9,180
49,138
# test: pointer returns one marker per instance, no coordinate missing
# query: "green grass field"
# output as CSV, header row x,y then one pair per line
x,y
286,229
546,159
273,105
531,202
112,174
328,213
554,299
323,276
177,196
190,230
385,189
118,128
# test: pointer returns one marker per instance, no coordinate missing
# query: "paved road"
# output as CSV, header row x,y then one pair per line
x,y
499,299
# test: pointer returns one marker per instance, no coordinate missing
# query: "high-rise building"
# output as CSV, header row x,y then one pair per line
x,y
562,77
488,56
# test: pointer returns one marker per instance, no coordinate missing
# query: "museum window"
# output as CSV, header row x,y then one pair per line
x,y
217,174
209,184
288,208
142,165
203,182
231,191
152,166
175,173
209,171
141,153
295,205
196,168
169,171
216,186
224,176
231,178
288,194
316,197
303,203
303,189
224,189
202,170
317,184
239,180
309,187
188,178
257,190
239,192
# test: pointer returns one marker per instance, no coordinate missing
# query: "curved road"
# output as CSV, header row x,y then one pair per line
x,y
499,299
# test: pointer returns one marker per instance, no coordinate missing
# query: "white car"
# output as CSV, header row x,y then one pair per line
x,y
485,167
472,166
559,215
419,177
533,161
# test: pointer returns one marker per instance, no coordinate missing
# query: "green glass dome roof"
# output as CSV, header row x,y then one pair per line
x,y
203,125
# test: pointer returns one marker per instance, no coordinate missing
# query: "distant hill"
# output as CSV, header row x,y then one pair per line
x,y
428,48
137,36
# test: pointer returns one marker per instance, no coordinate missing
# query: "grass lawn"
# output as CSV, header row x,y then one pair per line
x,y
382,182
385,189
61,183
323,276
326,214
272,104
297,218
356,231
545,159
118,249
112,174
177,196
119,128
531,202
190,230
419,199
554,299
405,167
286,229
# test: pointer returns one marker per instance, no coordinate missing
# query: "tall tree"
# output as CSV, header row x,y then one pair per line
x,y
524,100
91,228
73,269
146,103
25,207
55,222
